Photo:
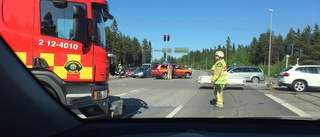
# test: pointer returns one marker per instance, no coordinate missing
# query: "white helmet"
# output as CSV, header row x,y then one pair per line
x,y
219,54
119,64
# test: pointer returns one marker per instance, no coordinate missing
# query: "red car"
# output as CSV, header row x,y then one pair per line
x,y
129,72
160,71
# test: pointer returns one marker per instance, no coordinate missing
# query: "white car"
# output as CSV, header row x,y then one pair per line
x,y
299,78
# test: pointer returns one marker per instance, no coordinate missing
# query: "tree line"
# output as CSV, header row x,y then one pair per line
x,y
257,52
130,52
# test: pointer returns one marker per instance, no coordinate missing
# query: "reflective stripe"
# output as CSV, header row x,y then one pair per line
x,y
222,79
56,65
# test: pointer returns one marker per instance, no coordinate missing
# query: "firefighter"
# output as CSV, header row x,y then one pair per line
x,y
219,78
119,70
169,68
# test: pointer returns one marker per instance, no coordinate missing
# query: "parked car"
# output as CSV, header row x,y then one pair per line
x,y
299,78
142,72
147,65
129,72
250,73
160,71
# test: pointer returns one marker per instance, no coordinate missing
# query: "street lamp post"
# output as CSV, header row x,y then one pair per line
x,y
270,10
206,60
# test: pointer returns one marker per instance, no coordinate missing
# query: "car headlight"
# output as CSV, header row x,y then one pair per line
x,y
140,73
99,94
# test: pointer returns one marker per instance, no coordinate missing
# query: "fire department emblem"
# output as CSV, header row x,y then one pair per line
x,y
73,67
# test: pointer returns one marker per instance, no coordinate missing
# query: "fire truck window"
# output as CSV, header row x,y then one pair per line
x,y
57,22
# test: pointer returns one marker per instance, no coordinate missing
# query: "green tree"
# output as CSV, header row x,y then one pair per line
x,y
116,47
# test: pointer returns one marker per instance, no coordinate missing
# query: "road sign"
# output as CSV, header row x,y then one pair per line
x,y
181,50
169,50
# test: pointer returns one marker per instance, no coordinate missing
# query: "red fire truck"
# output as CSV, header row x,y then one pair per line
x,y
63,44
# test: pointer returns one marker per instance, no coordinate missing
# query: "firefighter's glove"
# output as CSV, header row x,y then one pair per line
x,y
212,81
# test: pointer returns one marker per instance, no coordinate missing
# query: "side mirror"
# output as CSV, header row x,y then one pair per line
x,y
80,25
60,3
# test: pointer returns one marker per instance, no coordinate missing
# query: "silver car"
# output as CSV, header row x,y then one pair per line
x,y
142,72
251,73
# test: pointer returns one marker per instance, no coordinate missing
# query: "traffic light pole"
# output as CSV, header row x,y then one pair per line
x,y
166,50
166,39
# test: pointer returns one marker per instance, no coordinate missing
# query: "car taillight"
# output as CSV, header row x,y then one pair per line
x,y
286,74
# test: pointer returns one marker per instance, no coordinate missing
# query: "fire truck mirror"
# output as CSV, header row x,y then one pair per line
x,y
60,3
80,25
112,69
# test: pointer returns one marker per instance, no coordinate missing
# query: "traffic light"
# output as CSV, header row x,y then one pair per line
x,y
164,37
168,38
300,53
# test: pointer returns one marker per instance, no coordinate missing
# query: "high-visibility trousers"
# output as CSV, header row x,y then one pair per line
x,y
218,91
169,74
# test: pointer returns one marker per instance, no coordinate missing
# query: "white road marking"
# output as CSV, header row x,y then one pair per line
x,y
121,94
133,91
290,107
175,111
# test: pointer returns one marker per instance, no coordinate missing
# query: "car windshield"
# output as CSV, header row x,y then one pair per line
x,y
201,40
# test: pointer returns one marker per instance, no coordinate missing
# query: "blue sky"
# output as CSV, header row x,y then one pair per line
x,y
199,24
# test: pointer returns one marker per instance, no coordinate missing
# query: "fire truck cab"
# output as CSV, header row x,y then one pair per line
x,y
63,43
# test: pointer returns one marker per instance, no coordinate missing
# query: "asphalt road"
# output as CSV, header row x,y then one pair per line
x,y
185,98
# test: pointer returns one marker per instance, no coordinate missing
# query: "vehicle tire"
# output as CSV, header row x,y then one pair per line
x,y
255,80
164,76
187,75
299,86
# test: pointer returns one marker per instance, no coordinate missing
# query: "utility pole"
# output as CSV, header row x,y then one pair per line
x,y
206,60
270,10
288,56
